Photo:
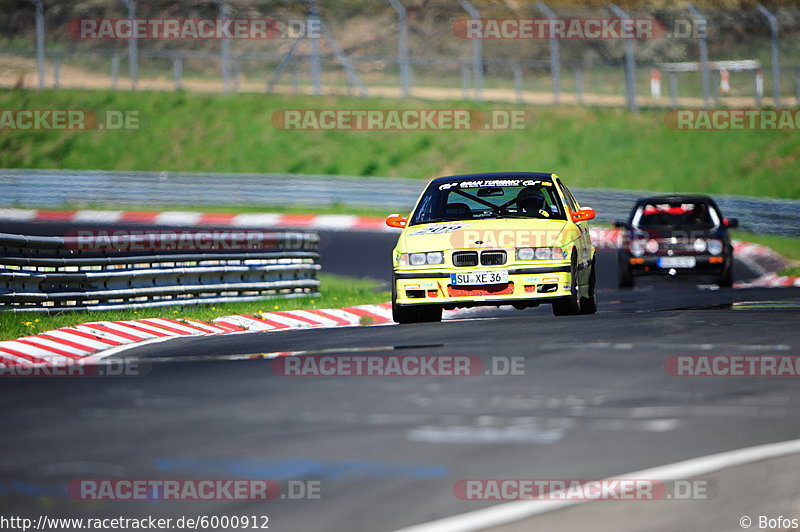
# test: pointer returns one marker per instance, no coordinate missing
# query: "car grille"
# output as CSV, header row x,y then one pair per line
x,y
463,259
493,258
678,244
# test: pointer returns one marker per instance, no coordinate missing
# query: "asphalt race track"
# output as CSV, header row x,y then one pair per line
x,y
594,401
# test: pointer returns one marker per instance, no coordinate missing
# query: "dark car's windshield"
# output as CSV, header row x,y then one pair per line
x,y
658,214
474,199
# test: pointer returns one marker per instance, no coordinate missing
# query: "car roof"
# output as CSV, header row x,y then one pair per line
x,y
675,198
494,175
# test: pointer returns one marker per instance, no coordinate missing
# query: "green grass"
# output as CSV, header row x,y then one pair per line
x,y
588,147
335,292
793,271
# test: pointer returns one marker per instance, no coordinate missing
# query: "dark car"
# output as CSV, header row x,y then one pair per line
x,y
676,235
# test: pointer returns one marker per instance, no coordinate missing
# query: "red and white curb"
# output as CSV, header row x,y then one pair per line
x,y
91,341
765,261
332,222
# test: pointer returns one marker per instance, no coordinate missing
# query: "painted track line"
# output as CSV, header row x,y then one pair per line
x,y
518,510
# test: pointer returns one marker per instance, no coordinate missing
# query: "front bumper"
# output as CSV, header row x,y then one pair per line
x,y
704,265
526,286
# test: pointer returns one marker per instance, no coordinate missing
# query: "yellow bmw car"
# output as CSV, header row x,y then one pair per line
x,y
493,239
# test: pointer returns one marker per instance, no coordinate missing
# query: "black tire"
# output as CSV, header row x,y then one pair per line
x,y
725,279
416,314
403,314
588,305
430,313
570,305
625,276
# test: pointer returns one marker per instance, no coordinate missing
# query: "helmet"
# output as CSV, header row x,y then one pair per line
x,y
530,200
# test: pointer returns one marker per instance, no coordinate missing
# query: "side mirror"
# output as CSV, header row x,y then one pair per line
x,y
620,224
731,223
395,220
587,213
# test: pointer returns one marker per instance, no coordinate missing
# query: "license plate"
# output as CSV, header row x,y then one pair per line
x,y
477,278
677,262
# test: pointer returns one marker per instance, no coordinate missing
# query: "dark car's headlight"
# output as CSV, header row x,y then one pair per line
x,y
637,247
715,247
699,245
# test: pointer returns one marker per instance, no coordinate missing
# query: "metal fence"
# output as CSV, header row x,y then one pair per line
x,y
49,274
55,188
399,49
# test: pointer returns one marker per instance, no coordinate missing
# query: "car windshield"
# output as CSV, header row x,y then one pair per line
x,y
675,214
475,199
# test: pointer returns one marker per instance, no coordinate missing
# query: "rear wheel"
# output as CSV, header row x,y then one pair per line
x,y
588,304
570,305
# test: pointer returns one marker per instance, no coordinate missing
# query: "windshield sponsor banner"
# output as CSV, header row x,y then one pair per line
x,y
480,183
733,366
400,119
733,119
559,28
572,489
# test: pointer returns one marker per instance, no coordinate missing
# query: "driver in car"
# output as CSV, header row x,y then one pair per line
x,y
531,202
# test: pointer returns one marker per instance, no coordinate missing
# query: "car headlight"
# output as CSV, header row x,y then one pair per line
x,y
553,253
421,259
637,247
435,257
714,247
651,246
699,245
417,259
525,254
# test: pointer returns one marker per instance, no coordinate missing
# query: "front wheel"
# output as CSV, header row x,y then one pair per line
x,y
725,279
625,279
589,304
570,305
416,314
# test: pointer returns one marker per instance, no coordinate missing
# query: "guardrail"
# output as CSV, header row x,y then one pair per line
x,y
101,272
55,188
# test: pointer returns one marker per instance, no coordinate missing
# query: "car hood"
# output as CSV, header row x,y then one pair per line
x,y
480,234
